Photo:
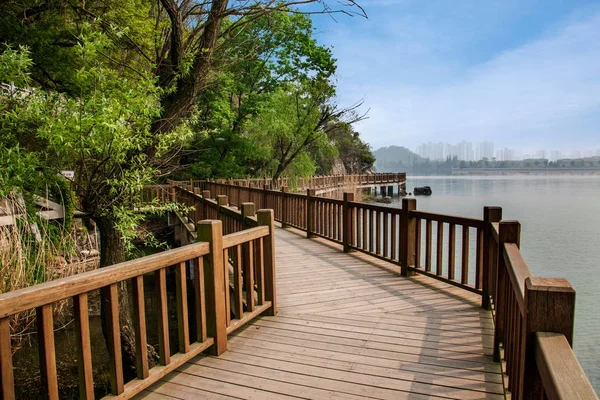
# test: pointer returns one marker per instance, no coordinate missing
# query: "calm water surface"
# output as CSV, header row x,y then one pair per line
x,y
560,234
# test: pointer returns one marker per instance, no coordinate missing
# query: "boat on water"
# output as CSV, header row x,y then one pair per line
x,y
422,191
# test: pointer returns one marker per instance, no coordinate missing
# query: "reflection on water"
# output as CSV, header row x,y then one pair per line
x,y
560,234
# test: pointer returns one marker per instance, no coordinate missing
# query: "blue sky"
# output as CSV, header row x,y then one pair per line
x,y
525,74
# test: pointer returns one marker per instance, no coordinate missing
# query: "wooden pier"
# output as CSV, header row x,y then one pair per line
x,y
348,300
349,326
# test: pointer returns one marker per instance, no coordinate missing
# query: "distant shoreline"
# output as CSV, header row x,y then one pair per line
x,y
526,171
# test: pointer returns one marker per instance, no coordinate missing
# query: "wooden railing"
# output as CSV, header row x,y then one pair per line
x,y
302,184
534,319
533,316
160,193
250,257
417,241
205,266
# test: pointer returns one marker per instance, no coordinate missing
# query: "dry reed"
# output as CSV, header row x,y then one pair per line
x,y
33,251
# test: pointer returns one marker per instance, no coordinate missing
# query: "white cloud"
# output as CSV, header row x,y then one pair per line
x,y
539,92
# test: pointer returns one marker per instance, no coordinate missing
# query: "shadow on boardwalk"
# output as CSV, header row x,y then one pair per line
x,y
349,327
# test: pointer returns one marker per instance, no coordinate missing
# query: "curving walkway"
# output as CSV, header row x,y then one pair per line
x,y
349,327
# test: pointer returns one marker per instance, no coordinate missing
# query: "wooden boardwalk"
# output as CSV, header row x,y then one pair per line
x,y
349,327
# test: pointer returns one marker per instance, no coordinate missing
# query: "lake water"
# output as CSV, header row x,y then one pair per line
x,y
560,234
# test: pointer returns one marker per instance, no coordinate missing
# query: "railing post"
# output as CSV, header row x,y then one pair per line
x,y
550,306
222,200
407,236
7,383
490,214
264,199
211,231
347,233
267,218
205,196
248,210
310,213
284,206
509,232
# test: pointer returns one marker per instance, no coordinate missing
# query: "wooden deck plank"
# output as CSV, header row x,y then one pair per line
x,y
289,354
349,327
345,375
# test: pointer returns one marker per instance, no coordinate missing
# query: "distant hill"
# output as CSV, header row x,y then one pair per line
x,y
395,159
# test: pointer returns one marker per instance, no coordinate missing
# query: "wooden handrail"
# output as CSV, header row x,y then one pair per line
x,y
561,374
53,291
518,272
247,235
450,219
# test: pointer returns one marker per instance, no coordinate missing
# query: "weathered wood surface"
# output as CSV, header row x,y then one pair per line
x,y
349,326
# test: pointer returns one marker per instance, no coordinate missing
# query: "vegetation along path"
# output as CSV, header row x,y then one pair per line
x,y
349,326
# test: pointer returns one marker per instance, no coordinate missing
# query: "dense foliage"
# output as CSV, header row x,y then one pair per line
x,y
127,93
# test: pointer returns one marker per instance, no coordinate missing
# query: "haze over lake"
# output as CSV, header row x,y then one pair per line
x,y
560,234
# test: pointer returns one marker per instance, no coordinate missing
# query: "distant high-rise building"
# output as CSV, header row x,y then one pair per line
x,y
433,151
505,154
540,154
555,155
598,153
485,150
463,151
576,154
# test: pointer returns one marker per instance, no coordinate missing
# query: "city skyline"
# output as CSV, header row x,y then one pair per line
x,y
468,151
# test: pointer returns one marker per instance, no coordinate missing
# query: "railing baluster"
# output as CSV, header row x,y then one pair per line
x,y
200,300
365,230
139,325
451,250
7,380
226,290
439,253
183,326
84,349
164,349
249,275
238,283
378,223
428,245
464,277
46,348
394,236
114,338
260,269
386,234
417,242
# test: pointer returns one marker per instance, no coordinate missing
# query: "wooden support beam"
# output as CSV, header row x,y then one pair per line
x,y
490,214
407,236
510,232
348,228
211,231
267,218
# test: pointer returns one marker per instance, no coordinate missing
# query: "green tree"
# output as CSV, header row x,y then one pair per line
x,y
263,56
296,120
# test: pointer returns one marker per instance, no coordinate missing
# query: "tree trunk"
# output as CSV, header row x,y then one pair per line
x,y
179,105
112,251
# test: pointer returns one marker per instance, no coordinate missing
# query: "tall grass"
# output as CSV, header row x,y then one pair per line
x,y
32,251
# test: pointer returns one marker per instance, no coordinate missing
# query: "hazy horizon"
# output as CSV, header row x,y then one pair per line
x,y
524,74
